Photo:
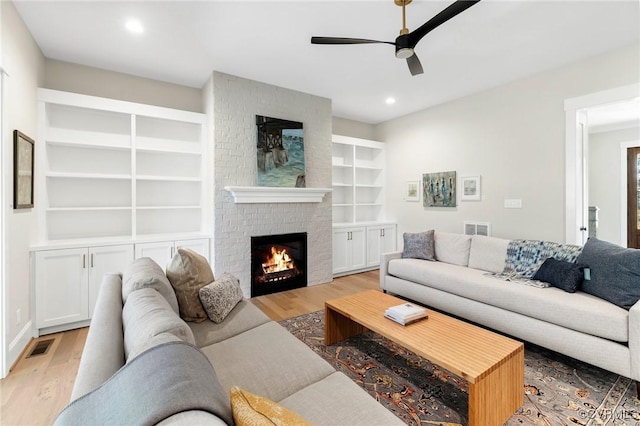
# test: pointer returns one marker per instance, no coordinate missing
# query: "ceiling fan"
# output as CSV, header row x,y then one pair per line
x,y
406,41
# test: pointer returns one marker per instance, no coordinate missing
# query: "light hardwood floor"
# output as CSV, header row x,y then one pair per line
x,y
37,388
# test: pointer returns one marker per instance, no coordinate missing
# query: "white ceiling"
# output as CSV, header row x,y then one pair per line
x,y
490,44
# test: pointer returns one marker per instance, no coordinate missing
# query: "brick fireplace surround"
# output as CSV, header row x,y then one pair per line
x,y
233,102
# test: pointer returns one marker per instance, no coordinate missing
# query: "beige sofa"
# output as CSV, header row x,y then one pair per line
x,y
247,350
578,324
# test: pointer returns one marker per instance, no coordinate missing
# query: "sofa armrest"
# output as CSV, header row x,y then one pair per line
x,y
103,352
385,258
634,340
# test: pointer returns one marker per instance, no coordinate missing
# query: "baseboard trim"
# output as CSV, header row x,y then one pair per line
x,y
18,346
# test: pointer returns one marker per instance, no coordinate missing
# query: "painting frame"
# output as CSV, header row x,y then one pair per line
x,y
280,157
471,189
412,193
23,176
439,189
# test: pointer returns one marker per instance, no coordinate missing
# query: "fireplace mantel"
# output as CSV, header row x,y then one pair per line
x,y
266,194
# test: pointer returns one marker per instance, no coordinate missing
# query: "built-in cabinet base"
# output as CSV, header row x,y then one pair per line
x,y
357,247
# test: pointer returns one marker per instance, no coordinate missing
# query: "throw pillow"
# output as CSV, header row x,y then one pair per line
x,y
615,272
188,272
252,410
419,246
220,297
488,253
565,275
143,273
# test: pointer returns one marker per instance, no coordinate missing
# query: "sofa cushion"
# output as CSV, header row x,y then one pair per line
x,y
419,245
614,270
452,248
488,253
262,360
156,340
220,297
188,272
577,311
243,317
338,400
143,273
251,410
565,275
147,314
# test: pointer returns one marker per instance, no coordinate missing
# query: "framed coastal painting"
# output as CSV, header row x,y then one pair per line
x,y
471,190
280,152
439,189
413,191
23,152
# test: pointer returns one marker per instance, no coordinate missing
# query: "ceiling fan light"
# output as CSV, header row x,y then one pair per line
x,y
404,53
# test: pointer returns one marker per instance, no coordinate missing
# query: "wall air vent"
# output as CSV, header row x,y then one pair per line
x,y
477,228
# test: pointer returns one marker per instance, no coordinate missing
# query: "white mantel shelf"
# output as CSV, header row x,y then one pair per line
x,y
266,194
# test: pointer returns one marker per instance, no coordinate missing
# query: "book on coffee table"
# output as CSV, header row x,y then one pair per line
x,y
406,313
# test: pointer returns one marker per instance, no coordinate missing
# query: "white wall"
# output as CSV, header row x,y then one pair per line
x,y
236,102
24,63
607,180
512,136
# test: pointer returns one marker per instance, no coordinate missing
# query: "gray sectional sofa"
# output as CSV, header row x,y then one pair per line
x,y
137,368
465,280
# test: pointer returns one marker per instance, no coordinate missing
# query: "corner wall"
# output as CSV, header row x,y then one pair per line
x,y
23,62
513,136
235,103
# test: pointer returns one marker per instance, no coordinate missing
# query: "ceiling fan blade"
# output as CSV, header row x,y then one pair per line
x,y
345,40
414,65
451,11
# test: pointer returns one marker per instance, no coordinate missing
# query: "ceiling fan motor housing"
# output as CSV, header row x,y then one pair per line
x,y
404,48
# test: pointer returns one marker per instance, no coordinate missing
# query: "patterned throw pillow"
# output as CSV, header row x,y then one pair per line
x,y
220,297
419,246
251,410
188,272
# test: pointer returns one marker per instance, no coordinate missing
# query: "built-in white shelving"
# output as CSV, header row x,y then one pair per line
x,y
114,169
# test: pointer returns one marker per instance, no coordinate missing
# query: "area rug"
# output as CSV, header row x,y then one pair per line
x,y
558,390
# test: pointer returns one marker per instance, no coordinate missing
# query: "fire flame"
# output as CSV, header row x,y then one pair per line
x,y
278,261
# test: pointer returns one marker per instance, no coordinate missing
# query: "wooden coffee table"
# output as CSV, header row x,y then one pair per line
x,y
492,364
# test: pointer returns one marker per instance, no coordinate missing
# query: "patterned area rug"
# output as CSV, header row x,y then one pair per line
x,y
558,390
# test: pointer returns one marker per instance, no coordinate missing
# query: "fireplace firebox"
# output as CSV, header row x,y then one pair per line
x,y
278,263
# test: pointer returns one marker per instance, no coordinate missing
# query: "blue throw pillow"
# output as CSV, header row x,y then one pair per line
x,y
565,275
615,272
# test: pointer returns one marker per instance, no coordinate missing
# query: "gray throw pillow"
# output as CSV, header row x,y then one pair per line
x,y
419,245
614,270
220,297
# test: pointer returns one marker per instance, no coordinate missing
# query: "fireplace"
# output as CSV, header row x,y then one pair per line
x,y
278,263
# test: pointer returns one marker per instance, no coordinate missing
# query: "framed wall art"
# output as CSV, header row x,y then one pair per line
x,y
23,153
413,191
471,190
280,152
439,189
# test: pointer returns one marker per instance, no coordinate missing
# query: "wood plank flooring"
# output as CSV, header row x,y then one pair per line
x,y
37,388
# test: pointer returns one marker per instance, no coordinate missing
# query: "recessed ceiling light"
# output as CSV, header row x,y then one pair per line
x,y
390,101
134,26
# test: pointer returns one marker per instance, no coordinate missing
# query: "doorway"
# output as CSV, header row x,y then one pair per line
x,y
633,197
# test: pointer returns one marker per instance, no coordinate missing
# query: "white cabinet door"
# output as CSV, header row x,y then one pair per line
x,y
62,294
199,246
104,260
380,239
161,252
348,249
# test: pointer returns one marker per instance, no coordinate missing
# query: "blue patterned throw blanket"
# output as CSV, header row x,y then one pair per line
x,y
524,258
